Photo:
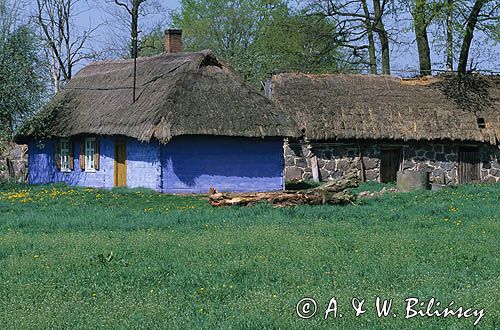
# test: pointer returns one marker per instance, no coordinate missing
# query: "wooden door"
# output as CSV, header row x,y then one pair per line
x,y
120,163
469,161
389,165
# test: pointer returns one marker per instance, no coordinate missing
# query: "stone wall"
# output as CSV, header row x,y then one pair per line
x,y
13,162
334,159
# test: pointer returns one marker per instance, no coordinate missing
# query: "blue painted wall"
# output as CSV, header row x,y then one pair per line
x,y
188,164
42,167
143,165
193,164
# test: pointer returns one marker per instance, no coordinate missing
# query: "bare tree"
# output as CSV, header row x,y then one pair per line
x,y
449,34
132,7
150,15
356,25
66,47
353,26
475,17
379,11
421,22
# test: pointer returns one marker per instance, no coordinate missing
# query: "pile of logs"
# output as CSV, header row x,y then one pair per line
x,y
332,192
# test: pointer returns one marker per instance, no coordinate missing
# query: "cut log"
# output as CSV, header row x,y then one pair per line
x,y
333,193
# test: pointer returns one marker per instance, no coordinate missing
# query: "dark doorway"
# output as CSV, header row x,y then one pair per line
x,y
469,161
389,164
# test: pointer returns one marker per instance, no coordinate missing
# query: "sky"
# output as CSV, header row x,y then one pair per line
x,y
404,59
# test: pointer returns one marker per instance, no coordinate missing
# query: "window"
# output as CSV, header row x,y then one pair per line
x,y
90,145
65,155
481,123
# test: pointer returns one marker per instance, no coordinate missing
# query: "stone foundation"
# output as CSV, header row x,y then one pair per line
x,y
13,162
334,159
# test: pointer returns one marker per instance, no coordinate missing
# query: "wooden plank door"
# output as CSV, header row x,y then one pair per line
x,y
389,165
120,163
469,161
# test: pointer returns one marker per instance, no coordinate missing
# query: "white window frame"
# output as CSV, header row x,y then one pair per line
x,y
65,155
90,145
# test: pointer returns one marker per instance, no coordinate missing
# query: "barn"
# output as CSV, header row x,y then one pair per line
x,y
194,124
446,125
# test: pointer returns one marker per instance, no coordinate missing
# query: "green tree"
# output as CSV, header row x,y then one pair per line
x,y
22,79
300,42
229,28
254,37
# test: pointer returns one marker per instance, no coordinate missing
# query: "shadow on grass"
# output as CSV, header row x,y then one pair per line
x,y
301,185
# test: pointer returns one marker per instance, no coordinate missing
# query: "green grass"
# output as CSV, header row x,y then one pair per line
x,y
178,263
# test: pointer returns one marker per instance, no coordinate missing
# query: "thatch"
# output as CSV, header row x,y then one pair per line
x,y
345,106
177,94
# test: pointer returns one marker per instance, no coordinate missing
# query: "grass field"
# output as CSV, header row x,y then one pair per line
x,y
85,258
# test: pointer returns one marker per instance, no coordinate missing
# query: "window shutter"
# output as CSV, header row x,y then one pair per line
x,y
82,155
96,154
71,156
57,154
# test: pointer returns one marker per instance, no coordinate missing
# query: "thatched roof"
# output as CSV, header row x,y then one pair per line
x,y
344,106
177,94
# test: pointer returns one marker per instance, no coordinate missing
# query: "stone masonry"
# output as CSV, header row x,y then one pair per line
x,y
13,161
334,159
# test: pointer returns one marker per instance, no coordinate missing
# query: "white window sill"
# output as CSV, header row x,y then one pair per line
x,y
89,170
65,170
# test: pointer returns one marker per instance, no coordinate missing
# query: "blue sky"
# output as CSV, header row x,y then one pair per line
x,y
403,58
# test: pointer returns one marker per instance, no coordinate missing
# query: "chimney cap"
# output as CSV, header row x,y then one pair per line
x,y
173,31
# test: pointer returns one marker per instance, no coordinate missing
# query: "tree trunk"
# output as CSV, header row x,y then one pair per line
x,y
469,34
371,41
333,193
67,23
424,52
133,29
382,35
134,35
449,36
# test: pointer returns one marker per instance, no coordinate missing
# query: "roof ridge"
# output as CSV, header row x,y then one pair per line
x,y
204,53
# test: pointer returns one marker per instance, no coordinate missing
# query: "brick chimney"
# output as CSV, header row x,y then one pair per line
x,y
173,41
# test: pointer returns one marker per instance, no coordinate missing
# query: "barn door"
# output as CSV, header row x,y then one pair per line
x,y
468,165
389,165
120,163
